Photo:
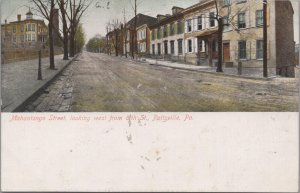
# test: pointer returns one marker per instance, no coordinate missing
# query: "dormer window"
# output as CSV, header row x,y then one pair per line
x,y
29,15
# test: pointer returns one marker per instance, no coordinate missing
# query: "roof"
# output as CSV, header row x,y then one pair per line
x,y
168,19
142,19
29,12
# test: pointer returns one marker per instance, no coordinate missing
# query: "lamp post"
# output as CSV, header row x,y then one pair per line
x,y
265,40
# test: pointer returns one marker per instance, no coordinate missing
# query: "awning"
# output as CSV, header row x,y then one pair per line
x,y
201,33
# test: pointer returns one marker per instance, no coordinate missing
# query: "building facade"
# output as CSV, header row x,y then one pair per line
x,y
167,36
242,34
137,35
27,33
143,40
200,34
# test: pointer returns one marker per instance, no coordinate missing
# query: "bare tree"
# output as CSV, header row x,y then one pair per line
x,y
116,28
224,16
63,6
47,9
125,33
77,8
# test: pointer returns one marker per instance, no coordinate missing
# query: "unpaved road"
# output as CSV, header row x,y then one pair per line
x,y
102,83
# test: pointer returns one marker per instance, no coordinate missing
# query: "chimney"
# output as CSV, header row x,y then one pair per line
x,y
19,17
176,10
6,21
161,17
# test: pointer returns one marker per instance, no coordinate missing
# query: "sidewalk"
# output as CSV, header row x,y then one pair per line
x,y
19,80
246,72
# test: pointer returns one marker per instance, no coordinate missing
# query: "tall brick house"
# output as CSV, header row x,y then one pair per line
x,y
243,37
132,42
27,33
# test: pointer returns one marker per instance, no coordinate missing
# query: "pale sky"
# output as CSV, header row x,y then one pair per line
x,y
95,19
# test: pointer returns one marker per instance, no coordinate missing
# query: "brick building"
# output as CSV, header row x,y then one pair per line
x,y
242,35
27,33
132,42
167,36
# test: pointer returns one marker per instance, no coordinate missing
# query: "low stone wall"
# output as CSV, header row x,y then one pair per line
x,y
16,55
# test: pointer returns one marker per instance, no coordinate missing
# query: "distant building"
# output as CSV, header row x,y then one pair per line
x,y
136,44
25,33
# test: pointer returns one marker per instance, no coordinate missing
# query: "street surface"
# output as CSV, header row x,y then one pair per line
x,y
102,83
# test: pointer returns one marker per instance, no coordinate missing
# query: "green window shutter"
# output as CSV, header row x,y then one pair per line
x,y
161,33
169,30
175,28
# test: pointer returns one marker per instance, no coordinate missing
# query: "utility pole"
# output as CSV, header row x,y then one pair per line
x,y
265,41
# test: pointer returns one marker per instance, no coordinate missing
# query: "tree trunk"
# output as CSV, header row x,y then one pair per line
x,y
65,30
66,49
220,45
72,44
117,47
51,46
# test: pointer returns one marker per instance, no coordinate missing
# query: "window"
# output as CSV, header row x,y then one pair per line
x,y
242,50
201,45
172,47
29,27
241,20
33,37
179,27
227,2
215,46
14,39
180,46
33,27
189,25
211,20
158,33
22,38
153,49
190,49
225,20
166,47
259,18
172,29
165,31
29,37
153,34
159,49
14,29
22,28
200,27
259,49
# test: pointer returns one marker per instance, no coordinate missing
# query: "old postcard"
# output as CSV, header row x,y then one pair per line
x,y
139,95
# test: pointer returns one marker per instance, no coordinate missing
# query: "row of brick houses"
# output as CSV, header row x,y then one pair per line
x,y
190,34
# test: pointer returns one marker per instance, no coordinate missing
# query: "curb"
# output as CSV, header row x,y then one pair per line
x,y
215,73
37,92
199,70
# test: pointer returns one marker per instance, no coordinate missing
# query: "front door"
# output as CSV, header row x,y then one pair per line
x,y
226,52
